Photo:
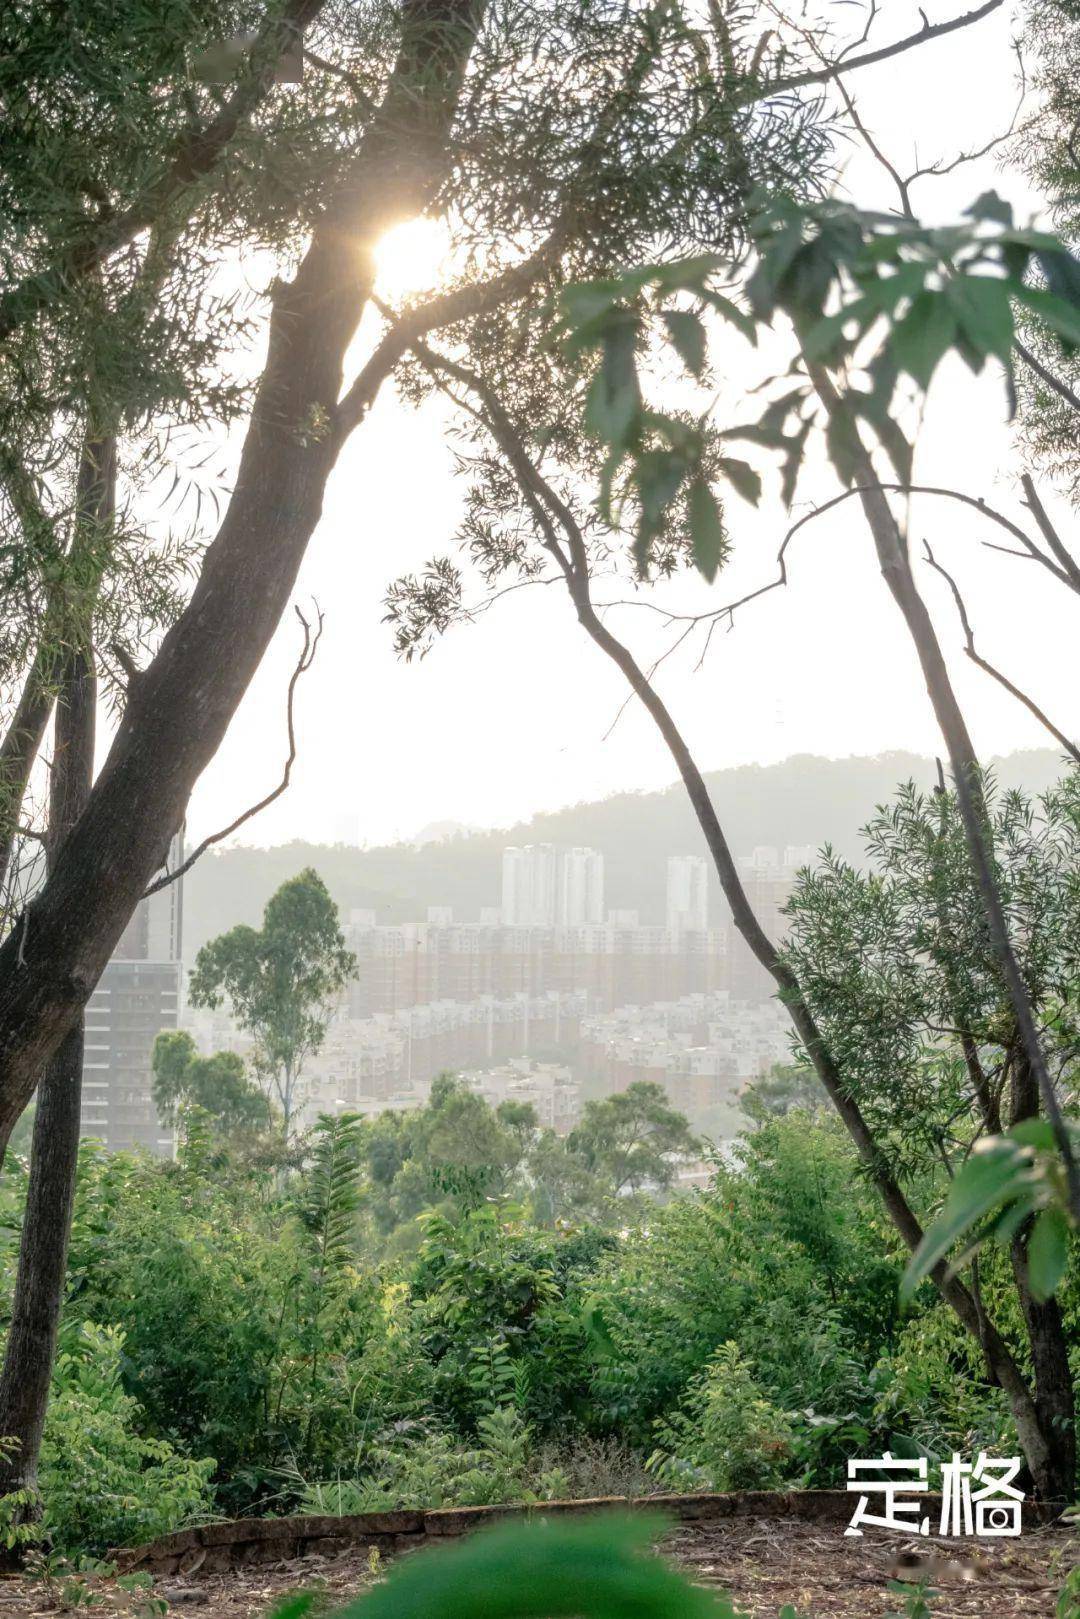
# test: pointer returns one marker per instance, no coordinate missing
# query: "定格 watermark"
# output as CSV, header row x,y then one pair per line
x,y
977,1498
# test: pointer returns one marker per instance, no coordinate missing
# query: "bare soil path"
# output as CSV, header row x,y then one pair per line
x,y
763,1563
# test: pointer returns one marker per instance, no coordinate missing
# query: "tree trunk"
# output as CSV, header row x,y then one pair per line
x,y
54,1153
46,1227
1039,1443
19,749
1047,1340
180,707
894,562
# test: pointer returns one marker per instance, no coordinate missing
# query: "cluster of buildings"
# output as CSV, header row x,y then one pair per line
x,y
548,994
703,1050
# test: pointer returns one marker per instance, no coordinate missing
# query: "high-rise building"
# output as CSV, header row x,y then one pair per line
x,y
136,998
687,894
544,887
580,897
769,879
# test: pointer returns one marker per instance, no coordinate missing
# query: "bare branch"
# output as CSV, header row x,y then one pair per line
x,y
988,668
1050,533
304,662
1047,376
928,32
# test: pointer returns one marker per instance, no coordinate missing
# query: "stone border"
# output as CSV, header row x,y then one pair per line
x,y
214,1547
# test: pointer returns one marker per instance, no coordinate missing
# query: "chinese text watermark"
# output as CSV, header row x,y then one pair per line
x,y
991,1509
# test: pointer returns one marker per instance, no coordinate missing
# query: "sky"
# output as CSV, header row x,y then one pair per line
x,y
519,712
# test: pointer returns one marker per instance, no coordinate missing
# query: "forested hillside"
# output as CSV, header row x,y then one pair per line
x,y
803,800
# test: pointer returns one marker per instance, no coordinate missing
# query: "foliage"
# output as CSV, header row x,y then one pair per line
x,y
280,980
592,1569
384,1320
634,1138
1008,1180
728,1434
103,1483
1049,156
216,1085
868,295
417,1466
901,975
788,1256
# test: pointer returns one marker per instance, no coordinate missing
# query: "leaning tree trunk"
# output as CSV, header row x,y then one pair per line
x,y
39,1287
179,708
1047,1339
54,1152
1038,1440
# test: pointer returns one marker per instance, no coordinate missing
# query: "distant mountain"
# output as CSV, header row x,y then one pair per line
x,y
804,800
439,831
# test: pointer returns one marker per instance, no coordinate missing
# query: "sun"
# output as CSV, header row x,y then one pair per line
x,y
411,257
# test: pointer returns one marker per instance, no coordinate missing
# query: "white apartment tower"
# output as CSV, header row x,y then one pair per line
x,y
580,898
687,894
136,997
545,887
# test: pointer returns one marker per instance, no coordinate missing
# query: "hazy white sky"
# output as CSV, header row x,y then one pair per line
x,y
511,714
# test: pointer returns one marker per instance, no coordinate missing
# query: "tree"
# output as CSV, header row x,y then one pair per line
x,y
678,117
634,1139
280,981
902,979
30,1350
216,1085
831,271
1048,151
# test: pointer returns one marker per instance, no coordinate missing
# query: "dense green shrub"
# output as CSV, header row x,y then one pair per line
x,y
103,1482
749,1333
728,1435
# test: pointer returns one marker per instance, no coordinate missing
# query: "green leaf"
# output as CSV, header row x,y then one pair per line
x,y
657,475
706,528
793,458
826,340
1062,272
923,336
1058,314
997,1171
587,299
687,334
1037,1133
614,398
1048,1253
591,1569
776,253
731,313
982,308
742,477
843,444
990,206
804,287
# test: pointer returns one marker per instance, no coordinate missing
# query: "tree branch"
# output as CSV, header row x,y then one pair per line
x,y
1046,376
988,668
303,664
929,31
194,155
1050,534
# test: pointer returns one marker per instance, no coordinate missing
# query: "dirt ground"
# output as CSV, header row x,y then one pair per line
x,y
762,1564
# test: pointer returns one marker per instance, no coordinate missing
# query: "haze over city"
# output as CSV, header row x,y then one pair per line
x,y
540,808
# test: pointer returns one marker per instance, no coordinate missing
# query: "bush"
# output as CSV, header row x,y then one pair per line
x,y
729,1435
419,1467
103,1485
